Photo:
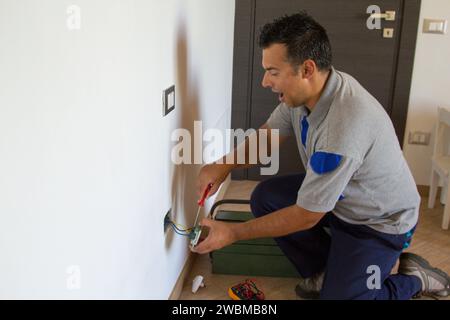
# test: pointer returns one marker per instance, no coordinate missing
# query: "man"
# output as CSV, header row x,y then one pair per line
x,y
355,210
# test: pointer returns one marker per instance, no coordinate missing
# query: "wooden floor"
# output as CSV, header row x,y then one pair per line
x,y
429,241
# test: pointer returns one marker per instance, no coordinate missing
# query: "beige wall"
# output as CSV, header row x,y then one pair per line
x,y
430,87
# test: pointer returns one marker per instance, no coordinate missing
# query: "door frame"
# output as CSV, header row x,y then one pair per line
x,y
244,36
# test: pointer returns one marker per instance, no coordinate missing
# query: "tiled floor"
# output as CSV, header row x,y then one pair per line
x,y
429,241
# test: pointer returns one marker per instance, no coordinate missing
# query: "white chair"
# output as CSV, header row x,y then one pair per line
x,y
440,164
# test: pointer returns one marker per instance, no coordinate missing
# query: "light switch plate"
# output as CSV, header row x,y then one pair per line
x,y
168,100
437,26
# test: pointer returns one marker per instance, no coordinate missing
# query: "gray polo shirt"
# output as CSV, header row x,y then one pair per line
x,y
354,164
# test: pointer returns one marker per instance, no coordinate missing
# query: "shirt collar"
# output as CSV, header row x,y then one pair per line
x,y
322,106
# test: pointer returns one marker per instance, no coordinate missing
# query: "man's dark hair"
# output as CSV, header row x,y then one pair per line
x,y
304,37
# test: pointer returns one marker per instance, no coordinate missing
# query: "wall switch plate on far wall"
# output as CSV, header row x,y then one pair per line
x,y
418,137
434,26
168,100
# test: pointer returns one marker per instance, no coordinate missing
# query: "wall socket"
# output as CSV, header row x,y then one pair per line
x,y
437,26
419,137
168,100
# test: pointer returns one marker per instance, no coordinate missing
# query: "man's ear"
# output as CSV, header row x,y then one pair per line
x,y
308,68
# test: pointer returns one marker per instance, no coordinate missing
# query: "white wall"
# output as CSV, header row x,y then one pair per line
x,y
86,176
429,89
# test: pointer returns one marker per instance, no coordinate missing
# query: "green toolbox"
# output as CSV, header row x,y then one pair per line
x,y
260,257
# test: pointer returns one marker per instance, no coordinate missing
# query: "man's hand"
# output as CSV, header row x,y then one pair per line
x,y
220,235
213,174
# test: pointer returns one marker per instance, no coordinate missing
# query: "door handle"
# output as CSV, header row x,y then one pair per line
x,y
388,15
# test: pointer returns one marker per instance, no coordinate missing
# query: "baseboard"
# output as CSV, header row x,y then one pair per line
x,y
178,288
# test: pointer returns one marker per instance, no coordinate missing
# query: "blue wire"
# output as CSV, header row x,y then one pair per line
x,y
181,230
167,221
178,232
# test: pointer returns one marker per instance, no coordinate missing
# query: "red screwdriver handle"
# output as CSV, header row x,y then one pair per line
x,y
201,202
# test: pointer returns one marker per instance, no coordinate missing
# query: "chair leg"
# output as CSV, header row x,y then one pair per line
x,y
433,189
443,195
446,217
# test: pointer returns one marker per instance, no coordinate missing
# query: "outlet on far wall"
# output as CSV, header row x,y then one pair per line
x,y
419,137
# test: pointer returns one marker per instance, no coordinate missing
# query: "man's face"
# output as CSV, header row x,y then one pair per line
x,y
282,78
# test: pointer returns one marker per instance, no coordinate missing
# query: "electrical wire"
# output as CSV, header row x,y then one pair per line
x,y
179,229
179,233
187,232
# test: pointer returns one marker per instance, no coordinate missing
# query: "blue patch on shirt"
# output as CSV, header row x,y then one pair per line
x,y
342,197
305,127
323,162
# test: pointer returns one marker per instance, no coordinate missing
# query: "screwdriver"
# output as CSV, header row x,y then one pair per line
x,y
201,202
197,230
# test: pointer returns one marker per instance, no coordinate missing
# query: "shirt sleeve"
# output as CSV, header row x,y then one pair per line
x,y
281,119
327,176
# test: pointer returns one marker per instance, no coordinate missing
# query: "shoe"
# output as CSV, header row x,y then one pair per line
x,y
309,288
435,282
246,290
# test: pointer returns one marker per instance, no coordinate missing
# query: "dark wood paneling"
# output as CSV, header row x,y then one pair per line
x,y
242,69
405,64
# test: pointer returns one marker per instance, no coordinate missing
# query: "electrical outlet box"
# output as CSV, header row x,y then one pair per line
x,y
167,220
168,100
419,137
195,236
